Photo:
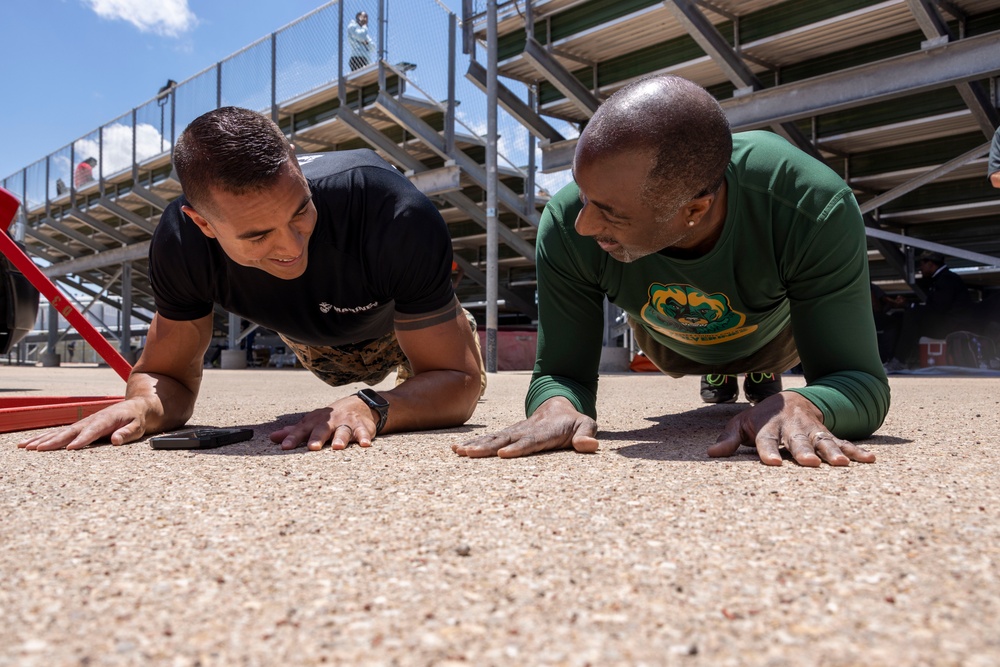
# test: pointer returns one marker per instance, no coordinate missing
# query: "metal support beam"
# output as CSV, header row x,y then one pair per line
x,y
126,215
379,141
101,259
712,43
492,187
125,338
931,69
725,56
478,215
559,155
98,225
144,194
437,181
52,243
973,94
420,129
532,121
233,331
923,179
74,234
74,285
951,251
560,77
508,296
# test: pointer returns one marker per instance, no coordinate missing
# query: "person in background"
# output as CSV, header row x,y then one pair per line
x,y
947,309
362,46
84,172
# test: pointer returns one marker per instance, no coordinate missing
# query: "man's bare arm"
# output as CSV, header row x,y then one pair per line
x,y
442,392
160,394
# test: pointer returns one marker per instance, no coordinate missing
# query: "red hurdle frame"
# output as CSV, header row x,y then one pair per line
x,y
23,413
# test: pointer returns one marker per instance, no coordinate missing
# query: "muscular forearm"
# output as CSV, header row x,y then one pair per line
x,y
166,402
434,399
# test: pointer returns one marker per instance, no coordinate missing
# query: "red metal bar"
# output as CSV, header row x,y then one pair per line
x,y
21,413
8,208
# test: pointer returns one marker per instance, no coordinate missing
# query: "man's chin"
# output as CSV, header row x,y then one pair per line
x,y
624,256
293,272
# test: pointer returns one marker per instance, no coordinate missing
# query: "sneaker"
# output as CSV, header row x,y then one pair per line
x,y
758,386
719,388
894,366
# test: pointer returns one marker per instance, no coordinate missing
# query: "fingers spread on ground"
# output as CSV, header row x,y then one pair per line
x,y
767,449
830,452
856,453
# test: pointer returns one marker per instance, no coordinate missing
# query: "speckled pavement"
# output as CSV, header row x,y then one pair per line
x,y
645,553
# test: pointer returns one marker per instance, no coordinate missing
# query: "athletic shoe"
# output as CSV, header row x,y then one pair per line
x,y
719,388
758,386
894,365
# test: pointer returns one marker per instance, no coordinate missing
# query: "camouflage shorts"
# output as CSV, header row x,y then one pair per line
x,y
369,361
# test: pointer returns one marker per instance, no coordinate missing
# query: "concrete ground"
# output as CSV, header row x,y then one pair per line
x,y
646,553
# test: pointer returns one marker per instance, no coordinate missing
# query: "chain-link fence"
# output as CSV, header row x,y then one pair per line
x,y
308,51
246,77
413,37
153,123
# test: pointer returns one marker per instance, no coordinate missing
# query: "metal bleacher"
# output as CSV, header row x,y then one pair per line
x,y
899,97
93,238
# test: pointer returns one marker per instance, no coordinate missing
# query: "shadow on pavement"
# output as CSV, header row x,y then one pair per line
x,y
686,436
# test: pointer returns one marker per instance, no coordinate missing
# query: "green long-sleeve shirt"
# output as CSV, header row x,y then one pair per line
x,y
793,250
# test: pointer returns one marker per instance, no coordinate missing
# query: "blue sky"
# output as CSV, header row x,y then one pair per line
x,y
69,66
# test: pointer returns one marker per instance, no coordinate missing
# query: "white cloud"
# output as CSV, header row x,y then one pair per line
x,y
117,151
170,18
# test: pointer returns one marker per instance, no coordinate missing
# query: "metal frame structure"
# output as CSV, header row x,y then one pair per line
x,y
896,95
94,239
796,67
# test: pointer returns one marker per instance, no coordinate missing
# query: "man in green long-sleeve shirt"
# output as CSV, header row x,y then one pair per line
x,y
730,254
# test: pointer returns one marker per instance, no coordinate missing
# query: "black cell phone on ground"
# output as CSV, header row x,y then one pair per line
x,y
201,438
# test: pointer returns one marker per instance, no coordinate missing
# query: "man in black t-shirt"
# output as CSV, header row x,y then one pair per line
x,y
342,256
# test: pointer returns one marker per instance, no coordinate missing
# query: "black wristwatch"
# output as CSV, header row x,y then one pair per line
x,y
375,401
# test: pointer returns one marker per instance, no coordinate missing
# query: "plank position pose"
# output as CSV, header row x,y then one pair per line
x,y
730,254
341,256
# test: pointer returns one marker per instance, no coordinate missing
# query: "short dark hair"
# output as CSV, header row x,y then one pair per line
x,y
230,149
680,122
933,257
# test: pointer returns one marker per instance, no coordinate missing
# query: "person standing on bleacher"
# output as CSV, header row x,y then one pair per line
x,y
362,46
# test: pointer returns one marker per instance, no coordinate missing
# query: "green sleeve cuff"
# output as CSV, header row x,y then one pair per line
x,y
583,397
854,404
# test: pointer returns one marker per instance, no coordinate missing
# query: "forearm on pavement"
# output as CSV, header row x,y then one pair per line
x,y
167,402
432,399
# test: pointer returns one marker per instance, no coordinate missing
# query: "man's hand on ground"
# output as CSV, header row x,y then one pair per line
x,y
555,425
791,421
345,421
123,422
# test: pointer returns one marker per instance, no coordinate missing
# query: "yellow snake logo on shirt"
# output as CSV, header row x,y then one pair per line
x,y
691,316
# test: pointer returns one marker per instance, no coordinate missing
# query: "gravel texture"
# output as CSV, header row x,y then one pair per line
x,y
645,553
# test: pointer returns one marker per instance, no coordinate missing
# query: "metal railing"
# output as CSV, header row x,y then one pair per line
x,y
305,55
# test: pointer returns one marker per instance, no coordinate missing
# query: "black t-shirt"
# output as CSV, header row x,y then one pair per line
x,y
379,245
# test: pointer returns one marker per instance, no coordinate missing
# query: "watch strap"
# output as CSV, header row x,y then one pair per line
x,y
382,410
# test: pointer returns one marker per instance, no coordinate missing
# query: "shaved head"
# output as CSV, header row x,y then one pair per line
x,y
677,124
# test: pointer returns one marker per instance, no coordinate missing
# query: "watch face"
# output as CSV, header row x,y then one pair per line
x,y
373,398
